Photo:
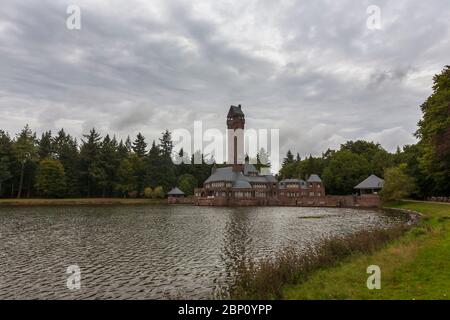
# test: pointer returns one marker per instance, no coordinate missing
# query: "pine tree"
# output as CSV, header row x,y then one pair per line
x,y
109,161
140,146
7,161
91,171
45,148
25,150
66,151
289,158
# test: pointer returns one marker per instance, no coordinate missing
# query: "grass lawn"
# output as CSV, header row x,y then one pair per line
x,y
416,266
83,201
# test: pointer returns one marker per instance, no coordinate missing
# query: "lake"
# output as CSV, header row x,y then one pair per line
x,y
153,252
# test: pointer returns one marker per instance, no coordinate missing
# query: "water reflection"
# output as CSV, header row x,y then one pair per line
x,y
155,252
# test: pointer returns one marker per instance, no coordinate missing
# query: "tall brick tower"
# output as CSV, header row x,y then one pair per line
x,y
235,125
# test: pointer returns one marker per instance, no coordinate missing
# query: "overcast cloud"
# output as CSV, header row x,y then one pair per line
x,y
310,68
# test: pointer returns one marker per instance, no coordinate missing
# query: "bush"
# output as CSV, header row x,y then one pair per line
x,y
397,184
265,279
158,193
187,183
148,192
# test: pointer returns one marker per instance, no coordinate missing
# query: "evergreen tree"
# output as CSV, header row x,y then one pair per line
x,y
45,148
140,146
5,173
128,145
109,161
289,158
166,144
66,151
7,161
25,150
166,165
91,171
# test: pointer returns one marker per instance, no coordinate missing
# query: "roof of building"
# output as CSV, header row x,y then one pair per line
x,y
314,178
300,182
290,180
241,184
372,182
175,192
222,174
248,167
227,174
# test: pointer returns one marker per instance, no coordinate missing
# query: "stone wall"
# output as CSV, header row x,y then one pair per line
x,y
180,200
325,201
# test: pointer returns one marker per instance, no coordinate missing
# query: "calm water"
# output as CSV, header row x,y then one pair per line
x,y
147,252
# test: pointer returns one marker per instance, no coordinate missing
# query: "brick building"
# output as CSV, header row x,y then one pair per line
x,y
240,183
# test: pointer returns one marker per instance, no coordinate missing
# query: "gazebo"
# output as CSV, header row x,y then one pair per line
x,y
174,195
175,192
371,185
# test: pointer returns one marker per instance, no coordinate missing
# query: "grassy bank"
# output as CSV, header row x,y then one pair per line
x,y
415,266
78,202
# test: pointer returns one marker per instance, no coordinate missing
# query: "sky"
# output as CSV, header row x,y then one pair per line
x,y
314,70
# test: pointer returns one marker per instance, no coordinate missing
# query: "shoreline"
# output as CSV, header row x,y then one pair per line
x,y
79,202
412,266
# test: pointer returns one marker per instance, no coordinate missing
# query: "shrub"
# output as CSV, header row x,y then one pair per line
x,y
158,193
397,184
148,192
265,279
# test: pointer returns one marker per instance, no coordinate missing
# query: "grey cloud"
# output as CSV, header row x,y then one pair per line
x,y
311,69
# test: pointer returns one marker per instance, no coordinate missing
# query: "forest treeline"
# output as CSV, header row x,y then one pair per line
x,y
421,169
60,166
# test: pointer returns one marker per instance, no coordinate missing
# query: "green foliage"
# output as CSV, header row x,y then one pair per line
x,y
5,173
434,135
91,173
187,183
126,180
158,193
341,170
50,178
344,171
97,167
148,192
140,146
289,158
66,150
25,151
397,184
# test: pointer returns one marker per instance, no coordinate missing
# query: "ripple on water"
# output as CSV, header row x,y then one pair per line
x,y
153,252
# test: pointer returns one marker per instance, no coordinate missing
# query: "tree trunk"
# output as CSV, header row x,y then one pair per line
x,y
19,193
29,189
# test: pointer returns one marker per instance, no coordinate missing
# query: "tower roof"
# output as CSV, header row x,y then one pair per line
x,y
235,111
314,178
